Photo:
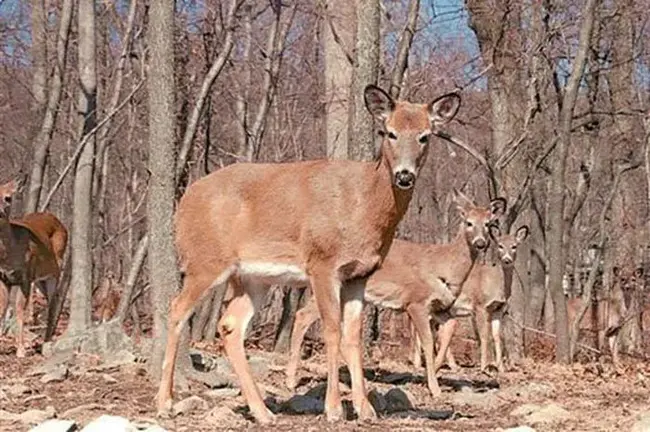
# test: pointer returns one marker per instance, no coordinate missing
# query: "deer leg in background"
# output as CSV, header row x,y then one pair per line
x,y
420,318
22,296
305,317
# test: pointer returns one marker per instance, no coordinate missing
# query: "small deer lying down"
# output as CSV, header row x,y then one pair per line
x,y
485,296
26,257
327,224
418,279
608,315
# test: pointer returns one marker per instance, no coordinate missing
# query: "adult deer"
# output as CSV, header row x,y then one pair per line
x,y
417,278
26,257
485,295
608,313
328,224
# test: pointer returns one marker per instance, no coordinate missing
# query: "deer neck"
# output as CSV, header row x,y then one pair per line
x,y
508,273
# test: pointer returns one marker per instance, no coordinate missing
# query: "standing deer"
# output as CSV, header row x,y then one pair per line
x,y
485,295
26,257
417,278
328,224
607,315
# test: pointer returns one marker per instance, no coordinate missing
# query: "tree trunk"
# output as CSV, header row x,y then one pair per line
x,y
406,38
555,235
338,41
360,132
290,301
81,245
44,134
163,275
39,56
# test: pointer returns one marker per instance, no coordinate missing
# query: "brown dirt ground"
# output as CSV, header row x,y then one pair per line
x,y
597,398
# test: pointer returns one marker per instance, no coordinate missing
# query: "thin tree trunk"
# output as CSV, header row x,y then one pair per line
x,y
81,245
160,203
403,49
44,134
556,242
39,56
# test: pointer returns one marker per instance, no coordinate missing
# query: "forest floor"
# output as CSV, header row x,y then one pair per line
x,y
584,397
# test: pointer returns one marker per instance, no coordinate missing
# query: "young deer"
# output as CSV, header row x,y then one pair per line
x,y
485,294
26,257
417,278
328,224
606,316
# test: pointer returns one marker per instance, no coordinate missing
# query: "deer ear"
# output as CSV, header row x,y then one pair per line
x,y
498,207
522,233
10,188
378,102
444,108
616,271
495,232
638,272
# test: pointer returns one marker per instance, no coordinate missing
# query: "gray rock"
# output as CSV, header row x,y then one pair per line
x,y
535,414
304,404
55,425
34,416
56,375
643,423
378,401
189,404
318,391
398,399
485,399
109,423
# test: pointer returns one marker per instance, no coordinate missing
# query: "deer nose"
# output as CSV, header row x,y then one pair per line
x,y
480,243
404,179
507,259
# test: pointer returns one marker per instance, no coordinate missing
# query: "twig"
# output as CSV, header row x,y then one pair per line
x,y
463,145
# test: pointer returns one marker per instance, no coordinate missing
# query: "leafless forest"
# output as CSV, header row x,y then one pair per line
x,y
110,109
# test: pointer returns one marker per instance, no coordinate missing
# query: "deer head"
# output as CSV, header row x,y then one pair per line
x,y
506,244
407,129
7,192
477,220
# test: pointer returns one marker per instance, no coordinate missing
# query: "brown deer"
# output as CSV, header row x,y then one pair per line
x,y
328,224
485,295
417,278
26,257
608,313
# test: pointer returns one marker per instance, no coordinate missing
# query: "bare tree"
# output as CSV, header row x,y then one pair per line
x,y
44,134
160,202
81,245
556,245
39,56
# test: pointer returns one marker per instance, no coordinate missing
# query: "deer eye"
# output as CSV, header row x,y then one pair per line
x,y
391,135
469,224
424,139
7,199
513,248
501,247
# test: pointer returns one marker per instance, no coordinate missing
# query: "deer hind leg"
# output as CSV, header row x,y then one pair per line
x,y
416,346
181,308
445,333
29,312
248,297
482,325
305,317
48,288
420,318
326,289
352,307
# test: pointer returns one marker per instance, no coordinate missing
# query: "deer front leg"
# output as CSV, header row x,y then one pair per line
x,y
416,346
305,317
326,289
483,327
352,307
22,296
29,312
420,317
496,336
445,333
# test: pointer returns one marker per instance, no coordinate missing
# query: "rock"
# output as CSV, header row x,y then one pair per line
x,y
73,412
318,391
47,349
34,416
259,366
304,404
191,403
222,393
109,379
17,390
643,423
519,429
378,401
398,400
9,416
222,416
534,414
56,375
109,423
155,428
485,399
55,425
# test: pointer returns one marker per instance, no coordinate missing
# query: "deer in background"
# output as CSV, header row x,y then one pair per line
x,y
485,297
27,257
325,223
417,278
607,315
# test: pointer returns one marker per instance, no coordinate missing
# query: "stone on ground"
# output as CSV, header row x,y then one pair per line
x,y
55,425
